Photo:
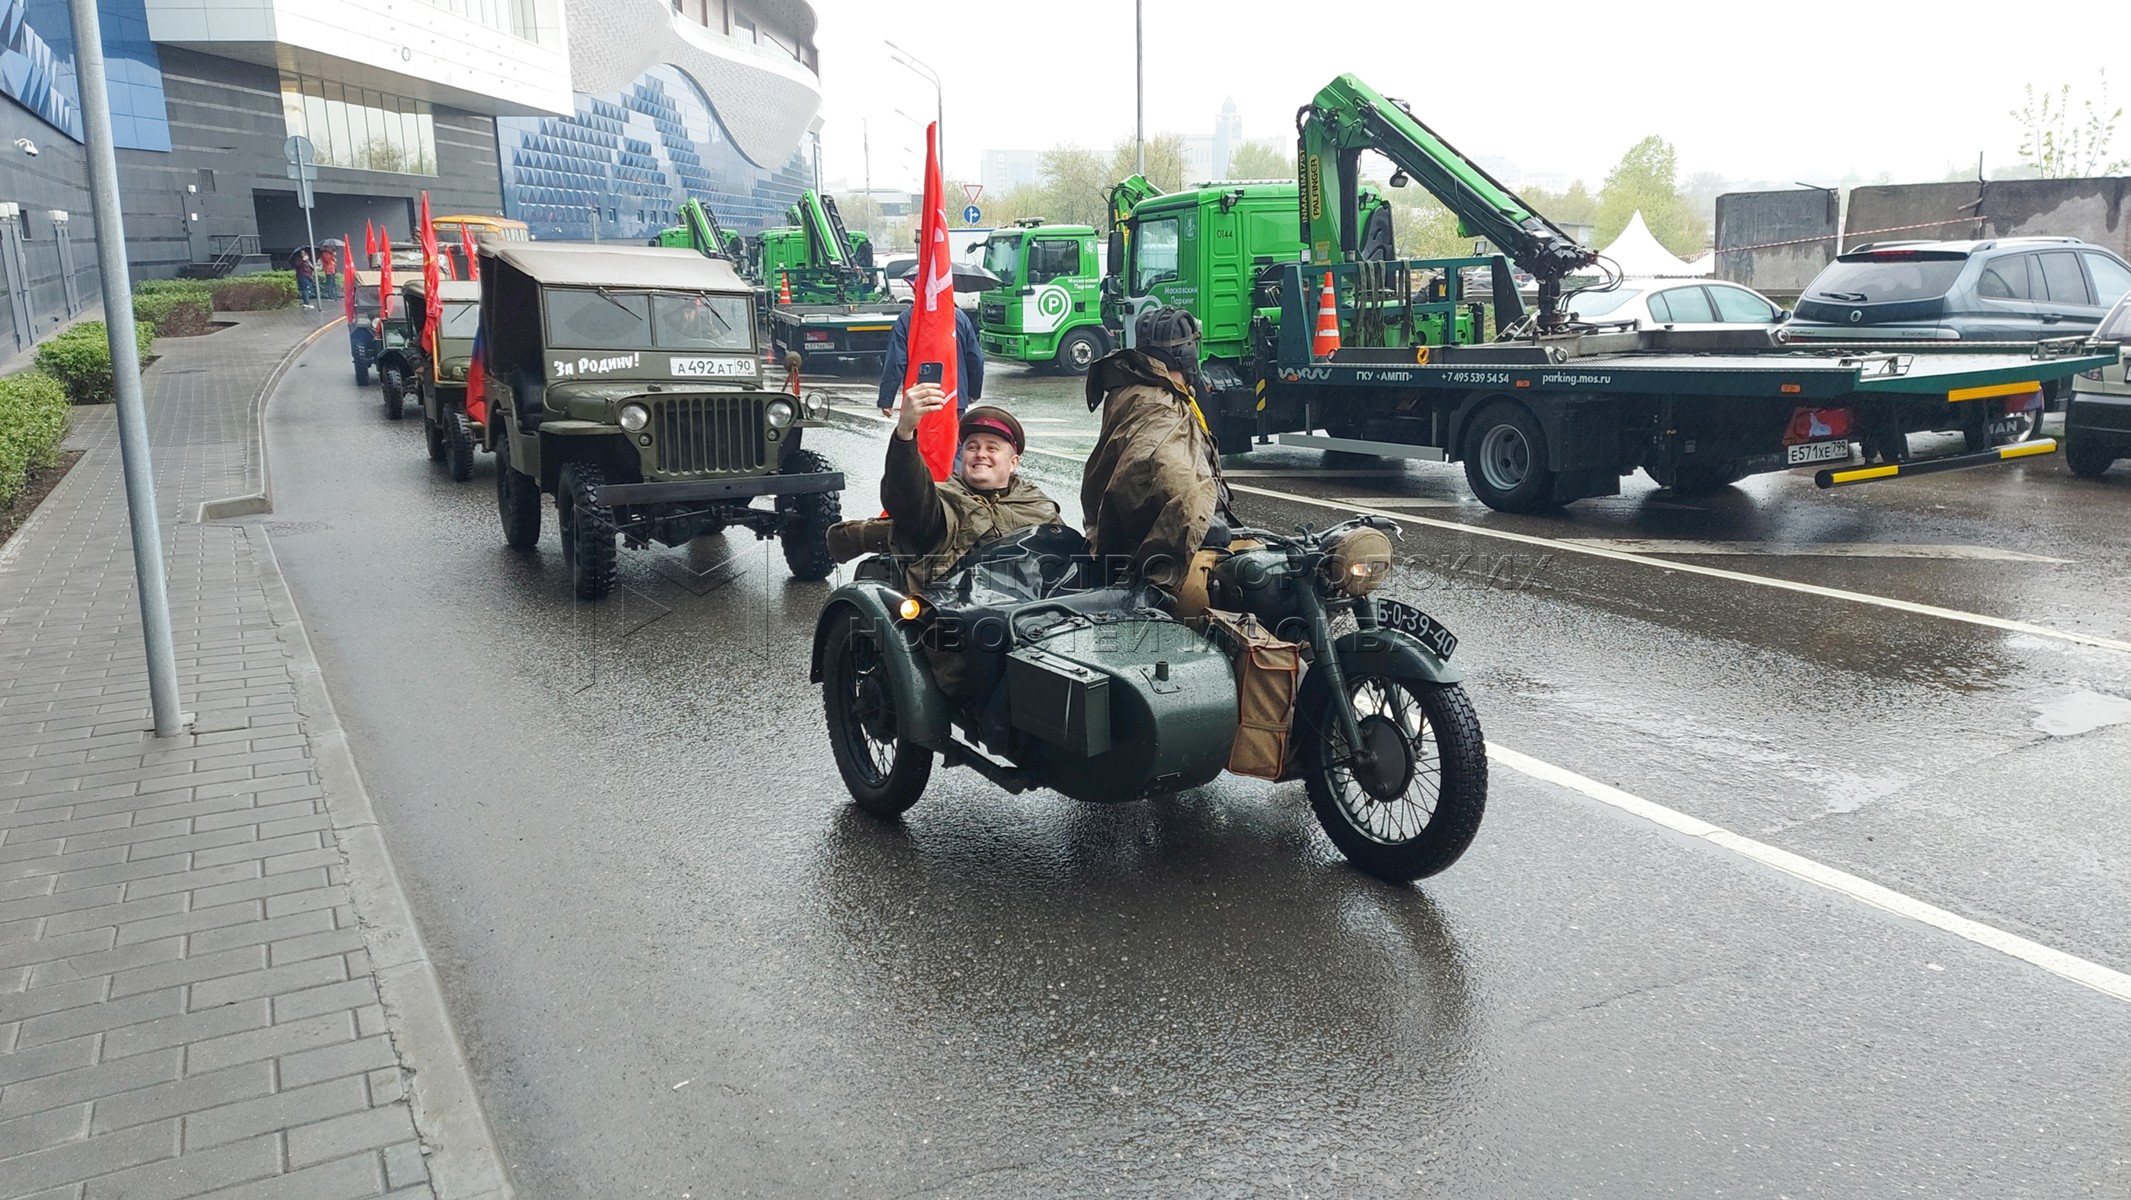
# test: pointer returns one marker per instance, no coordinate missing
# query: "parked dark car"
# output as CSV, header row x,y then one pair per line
x,y
2097,421
2018,289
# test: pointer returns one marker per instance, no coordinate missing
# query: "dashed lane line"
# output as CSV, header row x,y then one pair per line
x,y
2111,983
1626,556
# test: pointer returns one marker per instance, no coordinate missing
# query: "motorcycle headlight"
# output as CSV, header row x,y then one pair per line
x,y
634,417
780,413
1357,560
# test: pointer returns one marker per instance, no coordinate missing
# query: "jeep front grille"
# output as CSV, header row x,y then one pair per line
x,y
696,435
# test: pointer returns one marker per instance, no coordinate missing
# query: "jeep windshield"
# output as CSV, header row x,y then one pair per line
x,y
601,318
460,321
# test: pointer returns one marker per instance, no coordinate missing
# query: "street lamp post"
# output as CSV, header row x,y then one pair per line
x,y
1139,85
919,68
126,369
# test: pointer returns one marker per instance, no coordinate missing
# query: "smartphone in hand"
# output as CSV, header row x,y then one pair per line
x,y
932,372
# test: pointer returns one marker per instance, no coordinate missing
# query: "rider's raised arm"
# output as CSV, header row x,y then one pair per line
x,y
908,494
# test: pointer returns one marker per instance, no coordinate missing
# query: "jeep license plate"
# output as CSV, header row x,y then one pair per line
x,y
1419,625
711,368
1818,452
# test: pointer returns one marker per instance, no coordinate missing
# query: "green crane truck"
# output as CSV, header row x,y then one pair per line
x,y
1556,408
698,230
840,313
1047,308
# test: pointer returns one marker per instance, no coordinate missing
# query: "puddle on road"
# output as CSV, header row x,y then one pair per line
x,y
2081,712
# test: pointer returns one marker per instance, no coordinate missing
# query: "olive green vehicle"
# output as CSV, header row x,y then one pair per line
x,y
626,381
448,430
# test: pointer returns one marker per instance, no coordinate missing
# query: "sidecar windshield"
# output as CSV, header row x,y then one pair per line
x,y
1037,563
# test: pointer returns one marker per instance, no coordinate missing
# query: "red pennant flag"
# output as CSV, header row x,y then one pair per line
x,y
477,383
384,273
932,320
369,243
473,260
432,277
347,285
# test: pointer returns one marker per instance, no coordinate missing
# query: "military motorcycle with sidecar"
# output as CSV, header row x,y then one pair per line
x,y
1021,665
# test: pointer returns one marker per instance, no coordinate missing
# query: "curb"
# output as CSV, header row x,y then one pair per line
x,y
262,501
457,1140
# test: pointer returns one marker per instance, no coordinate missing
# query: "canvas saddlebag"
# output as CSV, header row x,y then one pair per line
x,y
1268,676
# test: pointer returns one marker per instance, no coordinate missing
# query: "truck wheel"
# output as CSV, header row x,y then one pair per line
x,y
2087,457
433,436
587,531
517,500
805,532
458,445
1413,808
394,385
1505,459
1079,351
884,774
362,374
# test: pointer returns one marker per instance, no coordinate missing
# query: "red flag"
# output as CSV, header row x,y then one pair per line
x,y
477,383
473,260
384,273
347,285
932,320
369,242
432,278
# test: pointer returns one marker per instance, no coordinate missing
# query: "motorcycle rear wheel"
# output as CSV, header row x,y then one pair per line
x,y
884,774
1416,808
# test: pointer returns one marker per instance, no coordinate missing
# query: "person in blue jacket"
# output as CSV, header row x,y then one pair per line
x,y
969,377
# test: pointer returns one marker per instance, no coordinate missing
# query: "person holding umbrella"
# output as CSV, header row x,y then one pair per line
x,y
329,255
970,371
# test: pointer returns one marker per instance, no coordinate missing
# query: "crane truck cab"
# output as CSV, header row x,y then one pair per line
x,y
1047,308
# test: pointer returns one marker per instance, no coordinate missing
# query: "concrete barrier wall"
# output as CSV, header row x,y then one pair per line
x,y
2093,210
1775,242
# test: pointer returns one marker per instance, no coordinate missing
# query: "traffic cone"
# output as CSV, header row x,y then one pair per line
x,y
1327,339
784,287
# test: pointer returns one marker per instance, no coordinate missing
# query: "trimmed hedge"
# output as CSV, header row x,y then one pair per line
x,y
33,422
80,359
239,293
175,313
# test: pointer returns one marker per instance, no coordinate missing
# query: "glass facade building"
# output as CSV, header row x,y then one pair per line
x,y
358,128
619,166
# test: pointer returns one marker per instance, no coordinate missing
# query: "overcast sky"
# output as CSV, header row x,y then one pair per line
x,y
1776,91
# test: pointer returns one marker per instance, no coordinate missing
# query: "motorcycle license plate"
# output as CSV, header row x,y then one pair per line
x,y
1418,625
1815,452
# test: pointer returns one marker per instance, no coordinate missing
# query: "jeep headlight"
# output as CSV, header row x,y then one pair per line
x,y
780,413
634,417
1357,560
816,406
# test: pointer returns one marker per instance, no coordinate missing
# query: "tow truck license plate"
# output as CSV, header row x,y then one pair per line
x,y
711,368
1815,452
1422,627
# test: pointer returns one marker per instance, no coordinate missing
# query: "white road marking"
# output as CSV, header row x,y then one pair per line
x,y
2108,982
1396,501
1799,549
1786,585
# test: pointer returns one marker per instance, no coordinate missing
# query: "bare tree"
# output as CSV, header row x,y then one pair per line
x,y
2067,137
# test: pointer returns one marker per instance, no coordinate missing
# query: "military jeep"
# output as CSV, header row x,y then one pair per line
x,y
439,380
626,381
397,349
363,331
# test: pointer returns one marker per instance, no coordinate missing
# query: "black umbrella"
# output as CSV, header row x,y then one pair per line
x,y
968,277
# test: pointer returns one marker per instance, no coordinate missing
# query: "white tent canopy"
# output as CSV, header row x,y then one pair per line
x,y
1640,256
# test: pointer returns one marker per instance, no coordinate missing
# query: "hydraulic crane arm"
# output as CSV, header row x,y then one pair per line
x,y
703,229
1126,195
1348,117
825,231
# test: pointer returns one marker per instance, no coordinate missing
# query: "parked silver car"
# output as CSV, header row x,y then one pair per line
x,y
2097,421
1679,304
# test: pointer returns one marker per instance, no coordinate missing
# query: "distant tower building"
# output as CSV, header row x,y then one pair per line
x,y
1227,135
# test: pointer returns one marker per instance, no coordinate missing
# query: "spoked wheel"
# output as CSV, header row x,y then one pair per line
x,y
885,774
1410,806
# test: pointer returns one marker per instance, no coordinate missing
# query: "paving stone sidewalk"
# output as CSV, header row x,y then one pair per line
x,y
188,1005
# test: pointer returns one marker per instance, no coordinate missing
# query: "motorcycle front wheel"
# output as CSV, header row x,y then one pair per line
x,y
1412,805
885,774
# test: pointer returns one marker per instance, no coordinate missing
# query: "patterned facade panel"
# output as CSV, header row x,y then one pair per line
x,y
37,69
618,167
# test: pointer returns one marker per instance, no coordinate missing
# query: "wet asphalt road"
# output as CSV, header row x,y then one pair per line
x,y
682,964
